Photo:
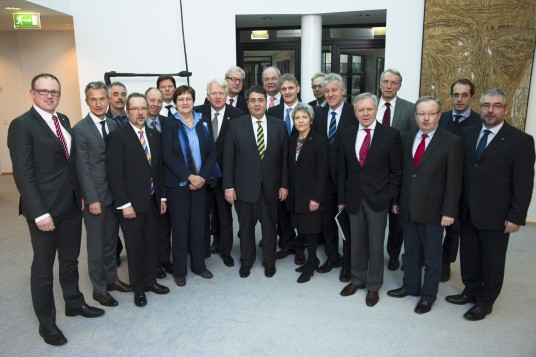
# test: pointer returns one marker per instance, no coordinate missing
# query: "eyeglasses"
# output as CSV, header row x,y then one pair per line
x,y
185,100
496,106
136,109
46,92
235,80
393,83
423,115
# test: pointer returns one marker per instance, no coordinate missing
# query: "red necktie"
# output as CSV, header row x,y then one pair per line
x,y
363,151
60,136
231,100
272,101
420,150
387,115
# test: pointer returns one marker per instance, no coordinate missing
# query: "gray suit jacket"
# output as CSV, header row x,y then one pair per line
x,y
404,116
91,161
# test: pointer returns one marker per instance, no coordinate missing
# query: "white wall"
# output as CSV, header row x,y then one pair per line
x,y
24,54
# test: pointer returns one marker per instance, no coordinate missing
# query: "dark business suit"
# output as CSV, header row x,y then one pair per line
x,y
241,103
47,183
428,192
497,187
101,229
329,227
186,207
368,192
451,241
216,205
256,182
314,103
129,175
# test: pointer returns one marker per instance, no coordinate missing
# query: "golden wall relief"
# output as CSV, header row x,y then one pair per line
x,y
490,42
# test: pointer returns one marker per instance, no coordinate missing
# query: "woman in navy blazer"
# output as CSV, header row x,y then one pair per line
x,y
308,172
189,155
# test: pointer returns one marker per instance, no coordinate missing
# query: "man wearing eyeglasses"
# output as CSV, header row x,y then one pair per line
x,y
461,115
498,178
429,195
398,113
318,92
235,78
43,157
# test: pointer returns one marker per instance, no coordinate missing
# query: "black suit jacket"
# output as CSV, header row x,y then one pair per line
x,y
243,168
129,172
278,111
230,113
498,186
378,181
432,189
175,168
308,174
446,117
42,173
320,125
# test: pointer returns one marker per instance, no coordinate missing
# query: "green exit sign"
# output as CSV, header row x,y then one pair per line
x,y
27,21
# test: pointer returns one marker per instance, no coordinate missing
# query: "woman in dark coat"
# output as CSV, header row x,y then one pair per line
x,y
307,167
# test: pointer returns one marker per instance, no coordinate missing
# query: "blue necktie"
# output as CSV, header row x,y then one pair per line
x,y
332,128
482,144
287,121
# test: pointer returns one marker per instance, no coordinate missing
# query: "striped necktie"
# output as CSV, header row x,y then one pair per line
x,y
61,137
147,154
332,128
260,139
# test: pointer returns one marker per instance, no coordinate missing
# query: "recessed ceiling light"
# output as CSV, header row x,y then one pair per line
x,y
12,8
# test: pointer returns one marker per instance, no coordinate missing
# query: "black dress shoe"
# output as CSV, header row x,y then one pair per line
x,y
52,335
160,273
400,293
372,298
158,289
299,258
244,271
180,281
140,299
350,289
460,299
104,299
269,270
423,306
84,310
345,275
477,313
119,286
284,252
206,274
393,264
327,266
445,273
227,260
305,277
168,267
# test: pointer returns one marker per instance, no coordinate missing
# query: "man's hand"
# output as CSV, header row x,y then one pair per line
x,y
313,205
395,209
510,227
163,207
95,208
196,181
45,225
283,193
446,221
230,196
129,213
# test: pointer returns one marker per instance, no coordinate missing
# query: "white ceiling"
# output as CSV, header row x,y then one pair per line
x,y
50,19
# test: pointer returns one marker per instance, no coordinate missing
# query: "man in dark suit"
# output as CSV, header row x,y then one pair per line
x,y
330,121
154,121
431,186
288,242
218,116
255,177
270,81
316,85
134,166
166,84
43,157
369,170
234,76
461,115
498,179
100,217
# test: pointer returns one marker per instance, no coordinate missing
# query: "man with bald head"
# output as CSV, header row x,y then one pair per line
x,y
270,82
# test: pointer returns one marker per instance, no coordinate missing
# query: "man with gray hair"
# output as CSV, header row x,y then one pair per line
x,y
100,218
270,81
316,86
498,178
235,76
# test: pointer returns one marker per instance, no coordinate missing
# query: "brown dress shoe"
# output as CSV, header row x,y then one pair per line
x,y
350,289
372,298
104,299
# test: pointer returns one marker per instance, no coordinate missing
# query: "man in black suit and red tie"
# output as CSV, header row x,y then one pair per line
x,y
498,178
134,165
369,170
330,121
43,157
431,186
217,210
461,116
255,178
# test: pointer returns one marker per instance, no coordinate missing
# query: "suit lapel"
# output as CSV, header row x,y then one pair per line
x,y
432,146
249,133
497,141
271,136
97,136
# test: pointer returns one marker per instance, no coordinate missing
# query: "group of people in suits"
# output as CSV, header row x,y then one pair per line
x,y
137,169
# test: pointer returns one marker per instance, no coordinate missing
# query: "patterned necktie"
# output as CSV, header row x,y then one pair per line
x,y
215,126
287,121
387,115
103,130
169,112
420,150
363,151
482,144
260,139
147,154
332,128
231,100
272,102
60,136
